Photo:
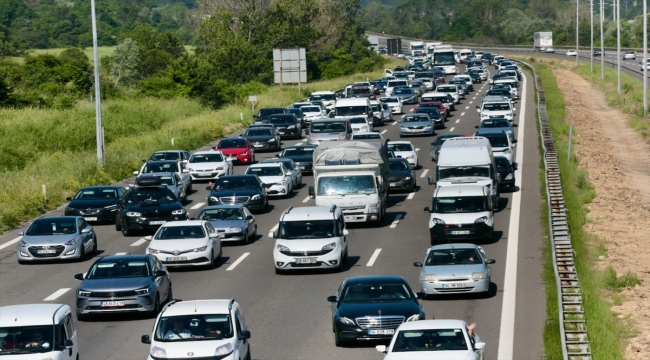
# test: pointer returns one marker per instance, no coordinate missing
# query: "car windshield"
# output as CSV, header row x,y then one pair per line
x,y
397,83
443,58
194,327
432,111
180,232
169,180
375,292
463,204
415,118
375,107
235,183
165,156
453,257
496,107
292,230
497,141
259,132
328,126
502,163
305,151
323,97
403,91
430,340
206,158
118,269
310,109
42,339
232,144
287,162
52,226
401,147
265,171
358,120
465,171
221,214
269,112
400,164
154,166
360,91
447,89
351,110
144,196
346,185
96,194
365,136
389,100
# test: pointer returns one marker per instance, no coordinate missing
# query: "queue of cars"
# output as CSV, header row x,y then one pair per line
x,y
306,237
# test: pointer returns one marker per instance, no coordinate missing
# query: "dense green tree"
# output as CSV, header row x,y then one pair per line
x,y
124,64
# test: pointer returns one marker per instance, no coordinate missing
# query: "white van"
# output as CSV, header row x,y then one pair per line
x,y
38,331
327,97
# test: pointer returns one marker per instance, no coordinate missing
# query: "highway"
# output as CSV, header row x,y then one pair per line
x,y
288,315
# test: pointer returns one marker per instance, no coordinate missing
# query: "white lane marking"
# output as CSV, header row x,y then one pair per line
x,y
507,330
197,206
461,114
424,173
394,123
373,257
411,195
139,242
10,242
474,98
471,102
412,110
274,228
452,129
300,143
396,221
383,132
241,258
466,107
120,253
306,199
56,294
457,121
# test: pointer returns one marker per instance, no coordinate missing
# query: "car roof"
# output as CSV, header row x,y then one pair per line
x,y
158,174
222,206
489,131
463,189
371,279
216,306
50,218
304,213
454,246
299,146
432,324
31,314
400,142
102,187
125,257
263,165
203,152
183,223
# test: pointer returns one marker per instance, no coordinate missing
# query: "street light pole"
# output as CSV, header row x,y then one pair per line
x,y
591,5
99,130
602,39
618,43
645,57
577,30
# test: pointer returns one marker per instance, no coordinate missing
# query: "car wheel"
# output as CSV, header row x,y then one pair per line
x,y
248,355
279,272
82,317
345,257
337,341
156,307
255,232
82,253
220,256
118,226
189,189
170,294
125,230
95,245
211,264
246,240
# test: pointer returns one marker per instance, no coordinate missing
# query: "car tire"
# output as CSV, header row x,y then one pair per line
x,y
170,294
156,307
248,355
95,245
255,233
83,317
279,272
189,190
246,240
210,266
82,253
126,231
345,259
338,342
220,256
118,226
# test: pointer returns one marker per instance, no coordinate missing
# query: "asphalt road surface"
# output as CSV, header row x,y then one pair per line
x,y
288,315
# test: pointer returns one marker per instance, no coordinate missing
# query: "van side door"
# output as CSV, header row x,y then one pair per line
x,y
67,331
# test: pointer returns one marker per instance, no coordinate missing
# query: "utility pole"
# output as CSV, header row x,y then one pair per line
x,y
645,57
618,43
591,5
577,30
602,39
98,107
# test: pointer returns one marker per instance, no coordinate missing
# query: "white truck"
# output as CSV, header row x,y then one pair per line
x,y
352,175
431,47
542,40
417,48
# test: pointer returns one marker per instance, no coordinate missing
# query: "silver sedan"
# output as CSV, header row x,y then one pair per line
x,y
235,223
455,268
62,237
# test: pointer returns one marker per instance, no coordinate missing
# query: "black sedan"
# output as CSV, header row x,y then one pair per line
x,y
401,176
476,78
123,283
507,172
262,138
95,203
434,115
246,190
302,155
436,145
372,307
288,125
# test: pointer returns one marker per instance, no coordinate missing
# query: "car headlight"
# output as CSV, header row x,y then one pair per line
x,y
244,153
158,352
411,157
153,251
282,183
178,212
282,248
373,208
235,229
22,244
224,349
478,275
329,247
214,199
407,178
509,177
133,214
143,290
201,249
291,127
72,241
428,277
364,128
346,321
83,293
437,221
481,220
255,197
271,140
508,151
222,167
413,318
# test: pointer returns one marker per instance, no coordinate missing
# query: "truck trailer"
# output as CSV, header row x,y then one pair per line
x,y
542,40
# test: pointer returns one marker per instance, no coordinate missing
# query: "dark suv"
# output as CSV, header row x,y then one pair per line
x,y
264,114
147,206
247,190
287,125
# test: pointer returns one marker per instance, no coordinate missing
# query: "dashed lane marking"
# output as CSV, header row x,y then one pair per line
x,y
10,242
383,132
424,173
462,114
197,206
411,195
373,257
241,258
139,242
56,294
394,123
466,107
306,199
457,121
274,228
452,129
396,221
471,102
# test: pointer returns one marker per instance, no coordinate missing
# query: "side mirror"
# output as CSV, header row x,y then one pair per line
x,y
21,233
479,346
245,334
514,144
214,235
86,230
417,149
332,299
208,187
145,339
136,173
515,166
514,109
79,276
68,198
381,348
426,209
417,264
277,155
160,273
490,261
430,180
346,232
476,126
69,344
249,217
312,193
148,237
241,135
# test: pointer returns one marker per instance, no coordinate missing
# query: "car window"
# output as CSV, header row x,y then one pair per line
x,y
399,165
401,147
180,232
194,327
153,167
203,158
227,213
265,171
415,118
430,340
259,132
235,183
376,292
119,269
52,227
232,143
439,257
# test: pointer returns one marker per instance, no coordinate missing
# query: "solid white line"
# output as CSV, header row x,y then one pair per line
x,y
410,197
461,114
424,173
394,123
56,294
452,129
396,221
139,242
457,121
197,206
373,257
241,258
383,132
121,253
507,331
306,199
10,242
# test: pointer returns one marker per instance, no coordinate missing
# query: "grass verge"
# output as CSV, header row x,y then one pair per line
x,y
134,129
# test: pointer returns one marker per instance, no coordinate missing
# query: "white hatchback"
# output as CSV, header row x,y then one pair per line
x,y
275,177
360,124
208,165
186,244
393,103
405,149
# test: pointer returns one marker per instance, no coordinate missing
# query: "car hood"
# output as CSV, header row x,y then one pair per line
x,y
495,113
48,239
400,173
181,244
298,245
309,113
453,271
438,355
271,179
86,204
404,308
242,192
233,151
117,284
404,154
264,138
205,166
404,96
226,224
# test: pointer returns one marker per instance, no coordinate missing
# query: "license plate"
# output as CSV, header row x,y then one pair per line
x,y
258,145
111,303
50,251
350,218
177,258
281,132
381,332
305,260
460,232
393,184
90,218
205,174
453,285
157,222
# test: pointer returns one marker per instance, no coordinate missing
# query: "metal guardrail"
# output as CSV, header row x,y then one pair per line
x,y
573,328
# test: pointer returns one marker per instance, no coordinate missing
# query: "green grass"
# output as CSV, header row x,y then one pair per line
x,y
60,144
101,51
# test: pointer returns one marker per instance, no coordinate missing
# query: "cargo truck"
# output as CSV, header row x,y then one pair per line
x,y
542,40
417,48
352,175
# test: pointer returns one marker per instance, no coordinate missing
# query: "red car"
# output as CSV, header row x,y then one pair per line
x,y
441,107
238,149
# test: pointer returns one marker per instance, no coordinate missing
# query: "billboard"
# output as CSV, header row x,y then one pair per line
x,y
289,66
